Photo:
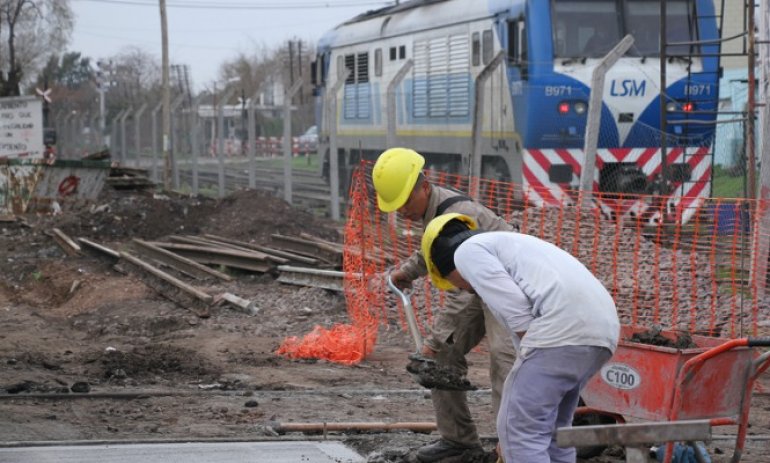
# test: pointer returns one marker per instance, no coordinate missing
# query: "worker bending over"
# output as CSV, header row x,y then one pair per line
x,y
563,321
464,320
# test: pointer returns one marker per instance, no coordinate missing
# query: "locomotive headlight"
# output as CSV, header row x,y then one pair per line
x,y
580,107
671,106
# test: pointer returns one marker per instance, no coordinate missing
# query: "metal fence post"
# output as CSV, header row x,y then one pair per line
x,y
138,133
175,142
334,170
594,117
221,140
253,142
399,77
288,142
123,118
114,133
474,164
155,140
195,141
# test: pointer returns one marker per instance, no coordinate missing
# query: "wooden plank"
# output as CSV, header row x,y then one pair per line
x,y
634,433
249,246
315,278
219,256
100,248
310,248
180,263
191,290
65,242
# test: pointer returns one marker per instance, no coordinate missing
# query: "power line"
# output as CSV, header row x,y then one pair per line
x,y
247,6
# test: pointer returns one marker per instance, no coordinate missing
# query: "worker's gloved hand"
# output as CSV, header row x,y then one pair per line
x,y
431,375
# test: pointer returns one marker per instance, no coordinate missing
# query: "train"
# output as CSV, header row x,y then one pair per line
x,y
504,85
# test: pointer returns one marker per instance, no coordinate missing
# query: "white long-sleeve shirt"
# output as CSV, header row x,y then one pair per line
x,y
531,285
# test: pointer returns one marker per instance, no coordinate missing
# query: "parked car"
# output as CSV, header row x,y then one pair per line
x,y
308,141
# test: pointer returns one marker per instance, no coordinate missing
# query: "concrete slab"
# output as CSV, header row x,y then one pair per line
x,y
228,452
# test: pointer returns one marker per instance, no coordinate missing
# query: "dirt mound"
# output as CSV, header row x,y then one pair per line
x,y
154,360
255,215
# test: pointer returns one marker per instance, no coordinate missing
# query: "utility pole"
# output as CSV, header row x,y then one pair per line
x,y
752,104
291,63
166,99
299,71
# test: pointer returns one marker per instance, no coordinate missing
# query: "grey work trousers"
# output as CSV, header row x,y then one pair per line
x,y
453,417
541,395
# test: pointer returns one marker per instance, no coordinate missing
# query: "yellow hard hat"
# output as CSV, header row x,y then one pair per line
x,y
394,175
432,231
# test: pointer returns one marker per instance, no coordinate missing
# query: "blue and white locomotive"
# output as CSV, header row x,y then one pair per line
x,y
535,104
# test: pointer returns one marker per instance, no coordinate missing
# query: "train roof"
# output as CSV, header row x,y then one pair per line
x,y
410,16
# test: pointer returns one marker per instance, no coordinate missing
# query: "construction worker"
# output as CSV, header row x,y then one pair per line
x,y
562,320
464,320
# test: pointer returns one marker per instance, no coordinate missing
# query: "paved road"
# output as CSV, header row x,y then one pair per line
x,y
230,452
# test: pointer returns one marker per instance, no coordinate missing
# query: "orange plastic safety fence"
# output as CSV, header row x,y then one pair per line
x,y
680,263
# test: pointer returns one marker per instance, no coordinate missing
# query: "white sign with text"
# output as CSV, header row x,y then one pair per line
x,y
21,128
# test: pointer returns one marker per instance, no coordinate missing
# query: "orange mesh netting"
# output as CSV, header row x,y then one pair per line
x,y
681,263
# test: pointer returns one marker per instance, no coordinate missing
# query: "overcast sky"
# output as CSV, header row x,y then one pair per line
x,y
204,37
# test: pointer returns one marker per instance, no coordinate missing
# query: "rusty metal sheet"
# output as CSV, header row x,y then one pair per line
x,y
33,186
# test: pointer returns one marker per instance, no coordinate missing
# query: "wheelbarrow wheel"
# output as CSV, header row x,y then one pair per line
x,y
591,419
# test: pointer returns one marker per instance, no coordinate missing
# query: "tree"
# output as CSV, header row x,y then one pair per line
x,y
70,78
30,30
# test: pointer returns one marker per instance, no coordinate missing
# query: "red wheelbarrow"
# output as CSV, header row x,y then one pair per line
x,y
712,381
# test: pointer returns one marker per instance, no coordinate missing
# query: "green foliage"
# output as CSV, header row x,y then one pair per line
x,y
727,183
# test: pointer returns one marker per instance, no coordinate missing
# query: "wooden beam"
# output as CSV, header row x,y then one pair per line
x,y
158,273
100,248
180,263
66,243
635,433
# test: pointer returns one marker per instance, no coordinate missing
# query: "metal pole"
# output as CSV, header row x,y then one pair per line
x,y
166,99
221,141
114,133
253,142
138,133
761,225
102,120
126,113
752,104
593,123
155,147
392,106
474,164
175,144
334,172
663,101
287,140
195,141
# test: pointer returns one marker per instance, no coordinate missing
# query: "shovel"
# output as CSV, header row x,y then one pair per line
x,y
424,370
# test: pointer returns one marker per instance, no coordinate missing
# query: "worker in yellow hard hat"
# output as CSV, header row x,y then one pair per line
x,y
463,322
560,317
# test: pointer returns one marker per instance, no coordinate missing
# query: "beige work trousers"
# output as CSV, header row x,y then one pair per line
x,y
453,416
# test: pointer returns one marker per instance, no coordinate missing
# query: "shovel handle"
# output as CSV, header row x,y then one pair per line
x,y
411,319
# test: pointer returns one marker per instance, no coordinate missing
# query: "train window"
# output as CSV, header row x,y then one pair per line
x,y
642,19
350,65
585,28
378,62
402,52
475,49
393,53
486,46
362,68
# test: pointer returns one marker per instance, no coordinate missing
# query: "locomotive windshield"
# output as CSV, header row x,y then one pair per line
x,y
591,28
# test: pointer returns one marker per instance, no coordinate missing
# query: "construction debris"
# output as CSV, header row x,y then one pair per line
x,y
330,253
244,305
326,279
182,264
100,249
66,243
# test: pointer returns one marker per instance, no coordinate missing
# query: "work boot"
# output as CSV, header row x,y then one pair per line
x,y
441,449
